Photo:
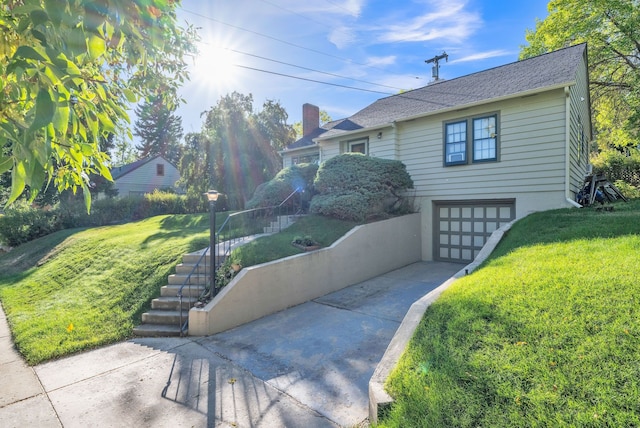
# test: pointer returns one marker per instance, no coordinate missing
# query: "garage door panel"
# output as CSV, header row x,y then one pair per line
x,y
463,227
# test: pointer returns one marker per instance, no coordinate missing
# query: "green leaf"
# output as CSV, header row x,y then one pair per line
x,y
106,122
86,149
87,196
18,175
96,46
5,164
36,177
131,96
38,17
40,36
54,10
61,116
101,92
104,171
27,52
45,109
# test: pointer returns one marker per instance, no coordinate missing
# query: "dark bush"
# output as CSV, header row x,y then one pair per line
x,y
275,191
346,206
358,187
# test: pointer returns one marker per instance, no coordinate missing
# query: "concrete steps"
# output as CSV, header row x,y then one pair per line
x,y
282,222
163,319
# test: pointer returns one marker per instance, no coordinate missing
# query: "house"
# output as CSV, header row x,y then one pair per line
x,y
144,176
482,149
306,149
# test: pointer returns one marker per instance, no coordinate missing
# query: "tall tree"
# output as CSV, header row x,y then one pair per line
x,y
68,72
196,166
244,144
612,30
159,128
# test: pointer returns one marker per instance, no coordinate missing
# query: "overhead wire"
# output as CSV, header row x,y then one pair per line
x,y
311,69
237,27
312,80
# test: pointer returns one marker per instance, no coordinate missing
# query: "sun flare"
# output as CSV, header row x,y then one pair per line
x,y
215,66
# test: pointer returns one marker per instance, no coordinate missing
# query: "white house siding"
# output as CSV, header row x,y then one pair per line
x,y
384,147
287,157
145,180
580,132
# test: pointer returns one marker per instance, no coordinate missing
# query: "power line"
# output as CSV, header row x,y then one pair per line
x,y
281,41
311,80
293,12
342,7
312,69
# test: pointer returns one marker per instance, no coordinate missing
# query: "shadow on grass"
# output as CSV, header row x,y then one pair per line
x,y
32,254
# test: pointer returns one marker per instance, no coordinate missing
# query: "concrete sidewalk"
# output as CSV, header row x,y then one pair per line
x,y
307,366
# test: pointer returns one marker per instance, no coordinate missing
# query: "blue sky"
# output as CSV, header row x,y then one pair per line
x,y
267,47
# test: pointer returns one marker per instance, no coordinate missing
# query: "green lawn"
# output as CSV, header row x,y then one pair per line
x,y
77,289
323,230
546,333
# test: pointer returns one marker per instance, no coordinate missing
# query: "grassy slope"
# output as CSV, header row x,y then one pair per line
x,y
101,280
547,333
77,289
322,230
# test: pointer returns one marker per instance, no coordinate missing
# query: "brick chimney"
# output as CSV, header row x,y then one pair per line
x,y
310,118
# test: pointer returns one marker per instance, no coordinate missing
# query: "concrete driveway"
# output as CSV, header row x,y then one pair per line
x,y
308,366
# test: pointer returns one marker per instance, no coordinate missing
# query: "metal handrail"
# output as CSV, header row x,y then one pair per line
x,y
227,246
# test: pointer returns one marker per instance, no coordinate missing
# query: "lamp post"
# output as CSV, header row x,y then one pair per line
x,y
212,197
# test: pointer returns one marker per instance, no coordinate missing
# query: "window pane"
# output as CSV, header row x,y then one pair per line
x,y
484,138
358,148
456,143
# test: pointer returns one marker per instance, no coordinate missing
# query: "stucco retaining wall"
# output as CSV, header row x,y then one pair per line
x,y
363,253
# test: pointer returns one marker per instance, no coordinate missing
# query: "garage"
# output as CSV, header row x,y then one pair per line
x,y
461,228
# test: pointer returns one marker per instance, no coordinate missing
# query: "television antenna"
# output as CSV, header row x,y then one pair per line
x,y
435,71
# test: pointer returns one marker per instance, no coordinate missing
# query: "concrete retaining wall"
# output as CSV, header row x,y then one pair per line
x,y
379,400
363,253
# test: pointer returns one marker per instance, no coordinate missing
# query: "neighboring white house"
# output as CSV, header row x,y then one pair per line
x,y
482,149
144,176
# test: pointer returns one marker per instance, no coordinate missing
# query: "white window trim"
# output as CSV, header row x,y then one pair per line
x,y
350,144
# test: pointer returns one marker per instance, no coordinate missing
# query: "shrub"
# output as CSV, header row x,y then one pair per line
x,y
618,166
629,191
357,187
22,223
276,190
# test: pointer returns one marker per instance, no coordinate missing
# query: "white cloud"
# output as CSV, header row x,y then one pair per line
x,y
381,60
448,21
342,36
482,55
350,7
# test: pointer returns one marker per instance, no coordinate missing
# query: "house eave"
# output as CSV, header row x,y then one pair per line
x,y
447,110
298,149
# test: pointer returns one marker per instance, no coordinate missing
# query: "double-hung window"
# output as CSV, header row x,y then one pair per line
x,y
456,143
471,140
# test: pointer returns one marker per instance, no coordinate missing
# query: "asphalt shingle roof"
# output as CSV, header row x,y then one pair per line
x,y
120,171
545,71
307,140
